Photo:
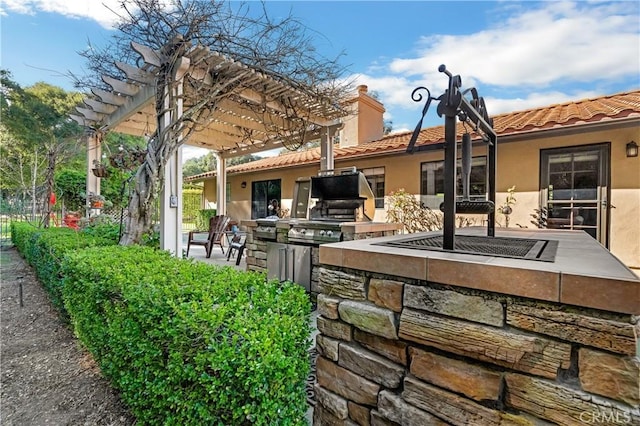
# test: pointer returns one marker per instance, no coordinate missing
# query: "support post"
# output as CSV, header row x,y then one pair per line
x,y
221,185
450,166
171,194
94,153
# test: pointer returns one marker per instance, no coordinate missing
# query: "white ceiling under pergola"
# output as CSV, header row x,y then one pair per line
x,y
253,117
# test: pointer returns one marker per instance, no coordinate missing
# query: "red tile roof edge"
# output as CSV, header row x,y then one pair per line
x,y
575,113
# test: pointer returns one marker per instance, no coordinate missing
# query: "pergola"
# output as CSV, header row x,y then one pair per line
x,y
256,112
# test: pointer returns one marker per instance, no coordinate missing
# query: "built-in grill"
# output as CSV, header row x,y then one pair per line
x,y
266,229
315,232
453,105
342,195
518,248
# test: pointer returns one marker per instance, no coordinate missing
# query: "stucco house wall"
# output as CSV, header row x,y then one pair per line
x,y
518,164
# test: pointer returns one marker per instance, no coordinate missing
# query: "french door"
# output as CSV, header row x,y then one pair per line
x,y
575,189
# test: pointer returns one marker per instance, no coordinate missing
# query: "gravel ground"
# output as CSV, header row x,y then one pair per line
x,y
46,377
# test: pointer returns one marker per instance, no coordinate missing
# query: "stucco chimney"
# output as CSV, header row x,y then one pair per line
x,y
365,123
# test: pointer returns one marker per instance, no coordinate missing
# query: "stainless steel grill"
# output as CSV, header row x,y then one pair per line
x,y
315,232
342,195
529,249
266,229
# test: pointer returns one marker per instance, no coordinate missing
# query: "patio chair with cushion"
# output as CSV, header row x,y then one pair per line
x,y
207,239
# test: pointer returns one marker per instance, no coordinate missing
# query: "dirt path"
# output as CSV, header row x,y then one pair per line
x,y
46,377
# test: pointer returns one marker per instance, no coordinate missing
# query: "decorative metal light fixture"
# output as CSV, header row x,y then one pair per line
x,y
632,149
243,184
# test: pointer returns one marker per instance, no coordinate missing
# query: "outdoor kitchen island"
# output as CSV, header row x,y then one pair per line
x,y
266,239
432,337
336,205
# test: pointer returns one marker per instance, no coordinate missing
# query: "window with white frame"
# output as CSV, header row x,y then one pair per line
x,y
432,181
375,177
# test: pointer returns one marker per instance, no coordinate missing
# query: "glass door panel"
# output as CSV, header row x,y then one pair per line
x,y
575,188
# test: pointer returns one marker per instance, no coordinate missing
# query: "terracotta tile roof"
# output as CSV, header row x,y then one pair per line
x,y
618,106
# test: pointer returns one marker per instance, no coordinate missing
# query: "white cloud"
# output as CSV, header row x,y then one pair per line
x,y
556,42
100,11
535,56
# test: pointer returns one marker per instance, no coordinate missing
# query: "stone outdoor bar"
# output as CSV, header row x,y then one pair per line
x,y
427,337
257,253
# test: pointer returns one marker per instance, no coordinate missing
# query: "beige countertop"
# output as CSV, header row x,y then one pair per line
x,y
584,273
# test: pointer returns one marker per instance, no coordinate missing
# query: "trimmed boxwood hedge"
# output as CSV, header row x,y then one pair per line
x,y
189,343
44,249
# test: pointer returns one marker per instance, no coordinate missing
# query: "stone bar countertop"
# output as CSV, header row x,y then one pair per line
x,y
353,227
584,273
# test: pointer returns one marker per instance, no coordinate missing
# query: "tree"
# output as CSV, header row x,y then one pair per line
x,y
281,48
202,164
207,163
242,159
36,135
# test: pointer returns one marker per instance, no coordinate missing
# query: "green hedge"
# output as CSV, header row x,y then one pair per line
x,y
44,249
202,220
185,342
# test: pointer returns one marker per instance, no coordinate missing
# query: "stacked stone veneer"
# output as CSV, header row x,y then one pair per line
x,y
398,351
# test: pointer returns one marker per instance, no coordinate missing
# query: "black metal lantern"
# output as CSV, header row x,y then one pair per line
x,y
632,149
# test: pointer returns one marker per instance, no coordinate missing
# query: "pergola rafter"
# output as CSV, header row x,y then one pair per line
x,y
254,113
185,94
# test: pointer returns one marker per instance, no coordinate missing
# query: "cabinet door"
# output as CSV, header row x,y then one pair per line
x,y
276,257
289,262
299,265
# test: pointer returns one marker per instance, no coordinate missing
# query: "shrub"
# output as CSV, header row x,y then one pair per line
x,y
44,249
67,182
102,226
202,220
404,208
186,343
189,343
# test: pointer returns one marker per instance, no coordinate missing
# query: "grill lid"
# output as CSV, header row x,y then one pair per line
x,y
347,184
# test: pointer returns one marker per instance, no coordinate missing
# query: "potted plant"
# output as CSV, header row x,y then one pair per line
x,y
99,169
506,208
71,219
96,201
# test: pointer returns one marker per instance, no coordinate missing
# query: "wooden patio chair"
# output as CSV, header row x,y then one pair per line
x,y
219,235
217,224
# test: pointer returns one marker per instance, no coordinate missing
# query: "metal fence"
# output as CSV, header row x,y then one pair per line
x,y
19,205
191,206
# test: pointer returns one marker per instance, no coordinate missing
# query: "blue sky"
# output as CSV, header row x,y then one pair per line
x,y
519,55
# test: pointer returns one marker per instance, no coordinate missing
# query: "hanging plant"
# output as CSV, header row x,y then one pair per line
x,y
127,159
99,169
96,201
